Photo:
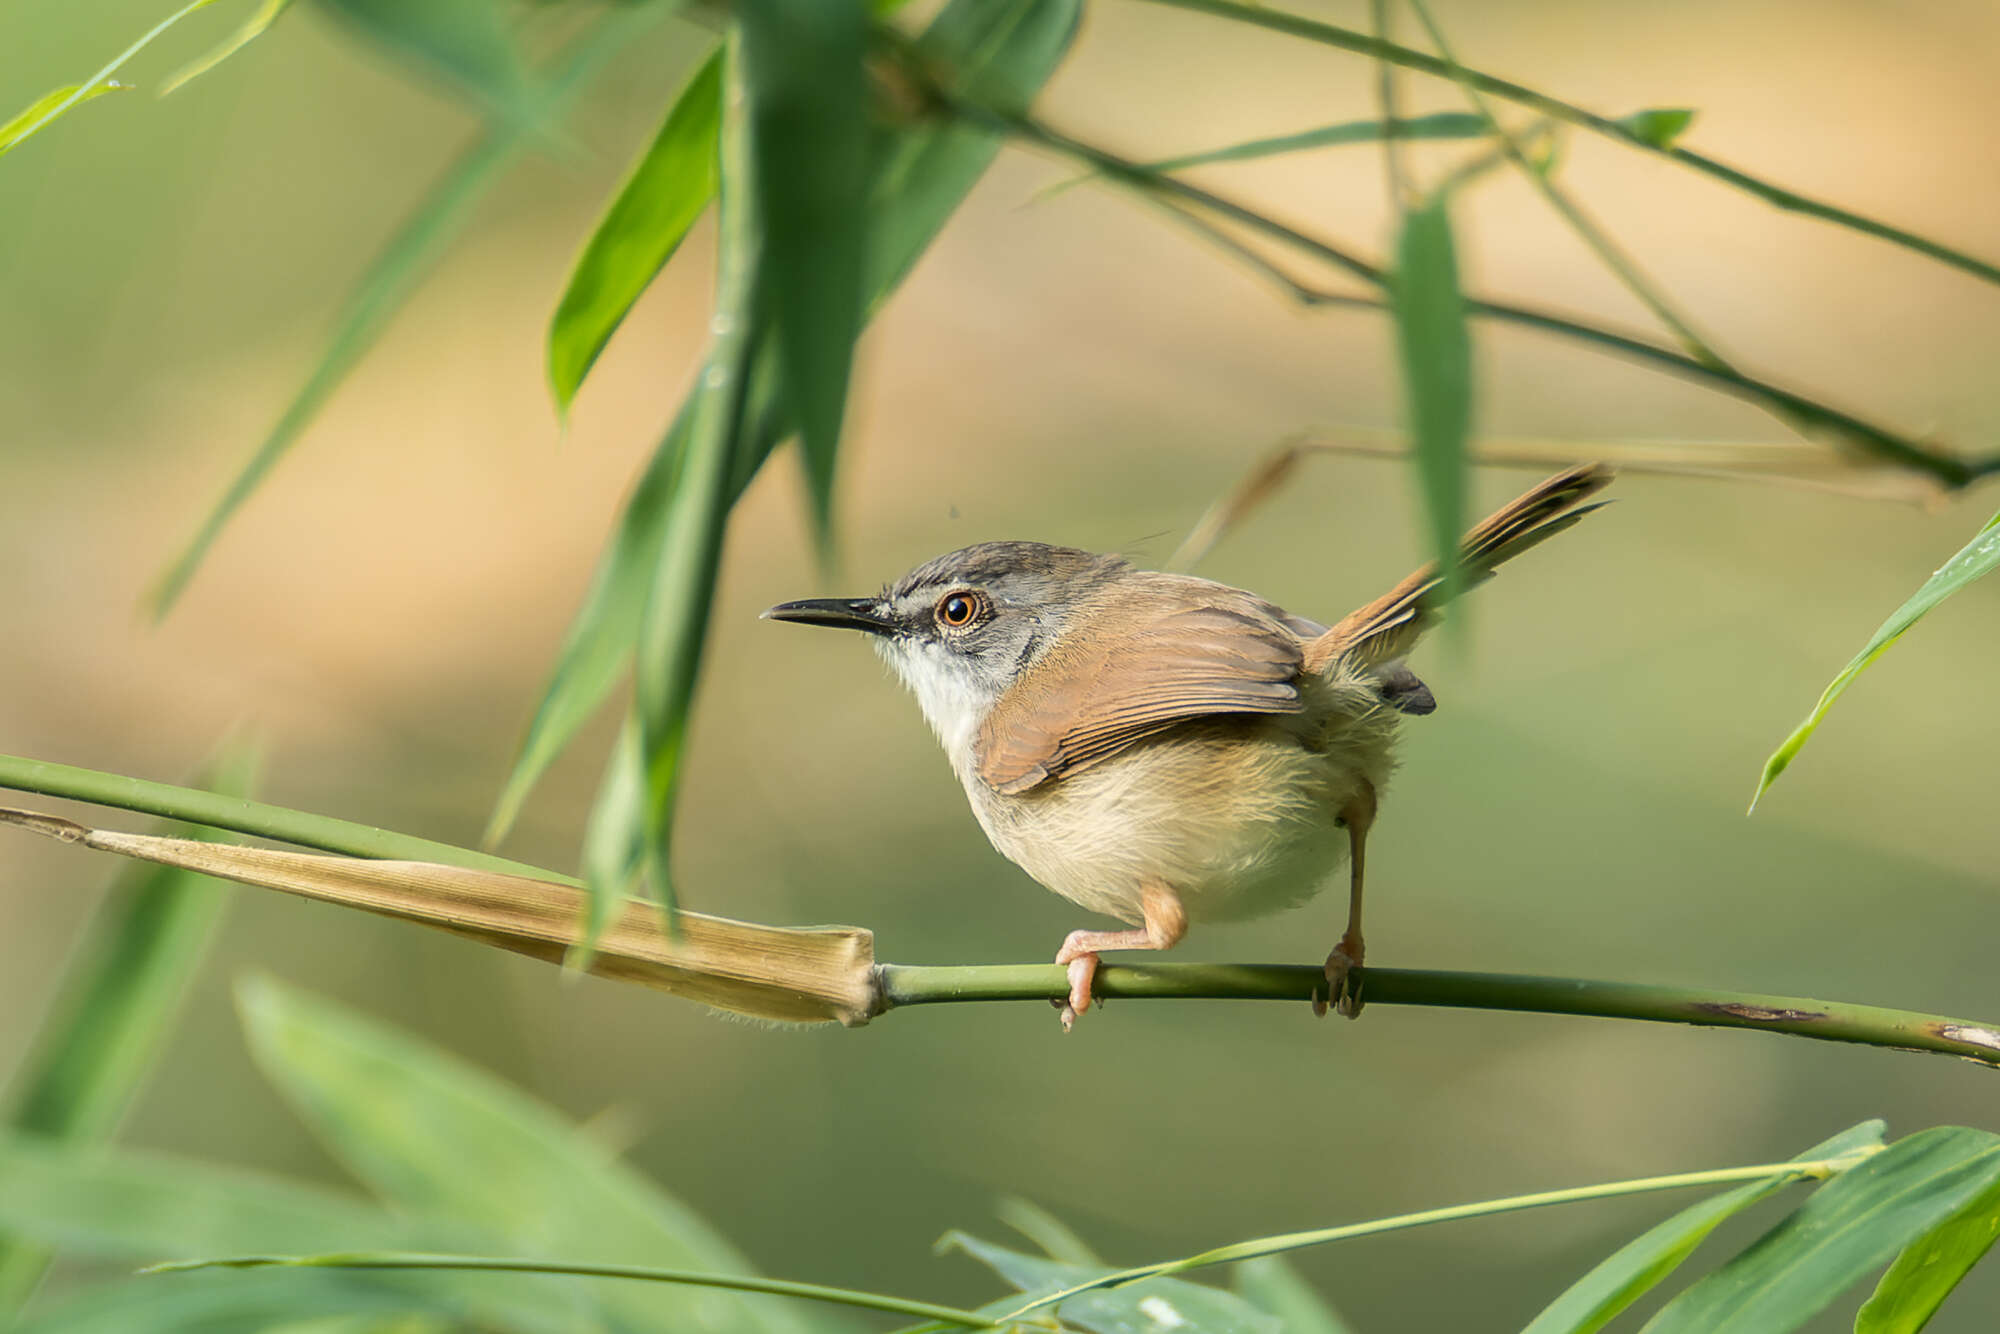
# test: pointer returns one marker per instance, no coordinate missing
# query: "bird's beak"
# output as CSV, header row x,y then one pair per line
x,y
846,613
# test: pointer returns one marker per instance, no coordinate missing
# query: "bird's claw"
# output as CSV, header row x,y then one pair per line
x,y
1341,983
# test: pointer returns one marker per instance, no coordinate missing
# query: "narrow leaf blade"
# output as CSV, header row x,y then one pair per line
x,y
266,13
1637,1267
1973,561
918,177
806,97
666,191
1272,1285
437,1137
1929,1268
50,105
1436,351
468,45
1145,1307
117,1007
1850,1226
1440,125
398,269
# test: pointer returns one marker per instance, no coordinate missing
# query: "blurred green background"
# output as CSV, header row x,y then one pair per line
x,y
1073,371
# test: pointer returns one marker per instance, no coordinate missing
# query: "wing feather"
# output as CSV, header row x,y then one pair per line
x,y
1201,649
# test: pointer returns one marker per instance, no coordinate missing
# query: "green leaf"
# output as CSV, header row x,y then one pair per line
x,y
1271,1285
139,1207
1048,1232
807,147
438,1138
266,14
211,1304
129,1205
1975,558
44,111
675,624
1146,1307
666,191
397,271
117,1006
1658,127
1436,351
614,844
468,45
1929,1268
1849,1226
1637,1267
918,177
50,105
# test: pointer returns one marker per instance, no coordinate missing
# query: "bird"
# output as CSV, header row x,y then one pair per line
x,y
1165,749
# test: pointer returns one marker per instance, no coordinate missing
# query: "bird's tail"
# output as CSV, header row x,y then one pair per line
x,y
1389,627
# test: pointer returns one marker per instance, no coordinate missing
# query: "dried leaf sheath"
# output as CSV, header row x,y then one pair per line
x,y
792,975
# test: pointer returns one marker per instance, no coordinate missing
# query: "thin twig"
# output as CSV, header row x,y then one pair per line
x,y
1794,408
1622,266
1385,97
1831,1021
1347,39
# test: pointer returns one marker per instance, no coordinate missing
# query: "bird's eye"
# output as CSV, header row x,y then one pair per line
x,y
958,610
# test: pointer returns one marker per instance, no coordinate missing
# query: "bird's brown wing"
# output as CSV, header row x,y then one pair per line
x,y
1199,649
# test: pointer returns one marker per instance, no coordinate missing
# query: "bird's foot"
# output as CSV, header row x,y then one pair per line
x,y
1082,964
1341,983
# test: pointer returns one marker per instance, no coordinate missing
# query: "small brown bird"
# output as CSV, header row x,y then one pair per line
x,y
1166,749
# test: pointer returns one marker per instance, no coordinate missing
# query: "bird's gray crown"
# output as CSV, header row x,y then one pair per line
x,y
985,564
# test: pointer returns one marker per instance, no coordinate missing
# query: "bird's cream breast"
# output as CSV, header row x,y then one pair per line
x,y
1238,815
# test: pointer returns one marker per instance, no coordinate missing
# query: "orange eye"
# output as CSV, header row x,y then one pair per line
x,y
957,610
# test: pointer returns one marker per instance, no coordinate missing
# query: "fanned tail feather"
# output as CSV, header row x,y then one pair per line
x,y
1390,626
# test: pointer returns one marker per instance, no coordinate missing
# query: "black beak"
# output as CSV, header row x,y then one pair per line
x,y
846,613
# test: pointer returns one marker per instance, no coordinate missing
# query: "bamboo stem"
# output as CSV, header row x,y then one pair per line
x,y
1830,1021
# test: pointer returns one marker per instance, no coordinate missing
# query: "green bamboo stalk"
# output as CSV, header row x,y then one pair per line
x,y
1347,39
241,816
1830,1021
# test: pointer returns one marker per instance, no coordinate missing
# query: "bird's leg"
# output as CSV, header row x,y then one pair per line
x,y
1166,923
1357,815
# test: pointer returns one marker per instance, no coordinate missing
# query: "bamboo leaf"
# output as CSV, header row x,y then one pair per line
x,y
1436,351
1658,127
435,1136
1138,1308
666,191
807,975
807,147
45,111
266,13
1637,1267
398,269
136,1207
1054,1236
256,818
1849,1226
1974,560
675,622
211,1304
918,177
118,1003
468,45
1272,1285
1929,1268
52,104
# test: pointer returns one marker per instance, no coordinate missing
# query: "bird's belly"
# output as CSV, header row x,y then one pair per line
x,y
1238,818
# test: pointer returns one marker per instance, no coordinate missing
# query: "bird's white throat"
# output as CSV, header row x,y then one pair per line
x,y
950,689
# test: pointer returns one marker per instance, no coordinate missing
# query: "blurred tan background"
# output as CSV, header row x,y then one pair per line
x,y
1071,370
